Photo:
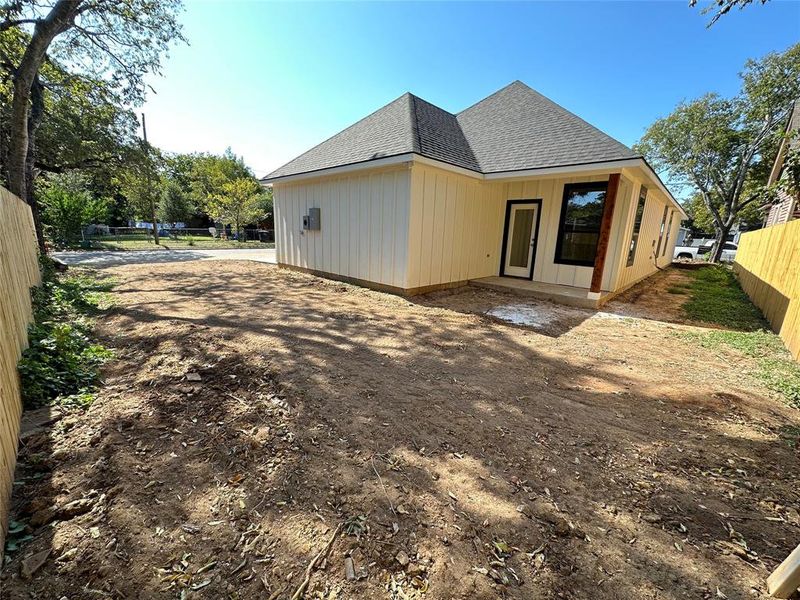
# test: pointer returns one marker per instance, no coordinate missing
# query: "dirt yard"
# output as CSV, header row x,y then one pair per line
x,y
255,414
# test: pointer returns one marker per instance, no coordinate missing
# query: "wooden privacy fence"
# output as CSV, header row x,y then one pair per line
x,y
19,271
768,267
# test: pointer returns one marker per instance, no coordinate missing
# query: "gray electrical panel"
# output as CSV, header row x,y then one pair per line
x,y
313,219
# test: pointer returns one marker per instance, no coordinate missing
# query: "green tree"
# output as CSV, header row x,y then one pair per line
x,y
174,205
210,172
722,148
140,182
68,207
238,202
112,41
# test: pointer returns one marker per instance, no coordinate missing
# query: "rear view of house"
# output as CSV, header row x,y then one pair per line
x,y
513,191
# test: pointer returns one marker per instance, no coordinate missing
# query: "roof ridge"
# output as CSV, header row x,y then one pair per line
x,y
436,106
492,95
416,141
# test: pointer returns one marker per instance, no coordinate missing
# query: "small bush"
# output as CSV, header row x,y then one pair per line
x,y
62,362
67,207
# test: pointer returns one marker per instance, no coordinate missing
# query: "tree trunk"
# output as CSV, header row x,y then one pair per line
x,y
35,119
57,21
719,243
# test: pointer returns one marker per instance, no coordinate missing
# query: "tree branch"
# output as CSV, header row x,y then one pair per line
x,y
17,22
86,163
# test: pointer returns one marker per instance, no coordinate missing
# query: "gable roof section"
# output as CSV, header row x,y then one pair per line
x,y
517,129
440,136
514,129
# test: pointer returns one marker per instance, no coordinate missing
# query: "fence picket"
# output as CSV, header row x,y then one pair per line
x,y
19,271
768,267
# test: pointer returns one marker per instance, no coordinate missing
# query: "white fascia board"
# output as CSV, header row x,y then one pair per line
x,y
367,164
585,168
432,162
613,165
409,157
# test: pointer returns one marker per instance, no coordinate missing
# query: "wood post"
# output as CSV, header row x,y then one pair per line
x,y
785,580
605,232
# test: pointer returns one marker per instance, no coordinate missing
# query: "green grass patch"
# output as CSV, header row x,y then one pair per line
x,y
680,291
791,433
716,297
772,364
62,362
140,242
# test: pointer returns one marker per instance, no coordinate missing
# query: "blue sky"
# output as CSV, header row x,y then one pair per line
x,y
273,79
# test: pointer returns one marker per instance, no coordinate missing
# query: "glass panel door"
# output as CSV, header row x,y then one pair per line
x,y
520,240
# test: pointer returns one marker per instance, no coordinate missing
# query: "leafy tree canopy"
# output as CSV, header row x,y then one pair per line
x,y
722,148
174,206
68,207
84,58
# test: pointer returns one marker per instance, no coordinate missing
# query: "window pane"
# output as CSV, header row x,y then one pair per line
x,y
521,237
661,231
637,225
580,225
669,228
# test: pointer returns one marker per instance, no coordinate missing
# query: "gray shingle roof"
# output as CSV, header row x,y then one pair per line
x,y
515,128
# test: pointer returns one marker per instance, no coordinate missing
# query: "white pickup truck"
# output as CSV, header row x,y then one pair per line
x,y
702,252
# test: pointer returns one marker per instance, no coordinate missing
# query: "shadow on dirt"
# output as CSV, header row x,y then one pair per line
x,y
487,460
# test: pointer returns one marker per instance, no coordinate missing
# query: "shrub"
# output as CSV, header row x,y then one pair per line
x,y
62,362
67,207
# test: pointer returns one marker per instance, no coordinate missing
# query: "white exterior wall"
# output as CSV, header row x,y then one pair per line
x,y
364,225
457,223
644,263
455,228
419,226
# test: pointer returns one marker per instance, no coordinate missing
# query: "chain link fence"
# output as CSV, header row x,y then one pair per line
x,y
103,236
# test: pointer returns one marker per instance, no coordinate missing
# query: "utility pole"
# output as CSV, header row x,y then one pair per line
x,y
150,183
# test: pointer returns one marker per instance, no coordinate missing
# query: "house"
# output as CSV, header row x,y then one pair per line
x,y
787,207
514,192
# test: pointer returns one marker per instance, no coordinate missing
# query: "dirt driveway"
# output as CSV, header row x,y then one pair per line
x,y
599,456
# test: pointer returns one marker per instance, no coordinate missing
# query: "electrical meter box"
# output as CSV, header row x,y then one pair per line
x,y
313,219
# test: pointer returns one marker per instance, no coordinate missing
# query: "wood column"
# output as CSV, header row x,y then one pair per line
x,y
605,232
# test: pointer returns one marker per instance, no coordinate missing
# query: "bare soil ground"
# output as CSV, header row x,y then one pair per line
x,y
599,456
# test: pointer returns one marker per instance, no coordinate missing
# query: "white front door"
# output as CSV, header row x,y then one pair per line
x,y
520,239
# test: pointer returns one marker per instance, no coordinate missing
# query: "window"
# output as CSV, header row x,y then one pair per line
x,y
579,227
661,231
637,225
669,228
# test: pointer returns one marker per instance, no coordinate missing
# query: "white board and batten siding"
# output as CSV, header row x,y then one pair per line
x,y
420,226
457,224
364,225
645,263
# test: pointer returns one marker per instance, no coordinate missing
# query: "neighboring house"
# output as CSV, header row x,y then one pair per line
x,y
514,191
787,207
